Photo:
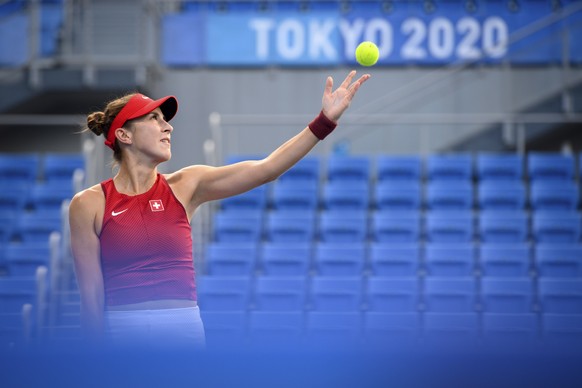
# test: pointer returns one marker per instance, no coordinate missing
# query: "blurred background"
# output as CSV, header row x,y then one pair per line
x,y
455,172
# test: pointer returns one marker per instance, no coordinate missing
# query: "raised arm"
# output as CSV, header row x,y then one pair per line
x,y
87,258
212,183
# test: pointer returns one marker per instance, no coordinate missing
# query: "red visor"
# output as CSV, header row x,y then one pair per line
x,y
138,106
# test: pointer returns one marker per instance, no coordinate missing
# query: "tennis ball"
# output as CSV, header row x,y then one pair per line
x,y
367,54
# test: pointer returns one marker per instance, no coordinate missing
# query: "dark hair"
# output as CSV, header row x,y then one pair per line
x,y
100,121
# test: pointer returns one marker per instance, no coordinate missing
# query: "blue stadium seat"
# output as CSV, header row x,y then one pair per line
x,y
511,332
397,195
7,220
395,295
446,259
384,330
23,259
501,195
292,194
560,296
554,195
238,227
15,291
348,168
451,331
456,166
556,227
13,199
558,260
396,227
332,330
332,293
224,329
496,226
308,168
505,260
276,293
343,226
499,166
550,166
255,199
290,226
224,293
339,258
286,259
453,294
507,295
394,260
231,259
453,195
345,195
276,330
37,227
49,197
60,167
562,331
449,226
398,168
19,168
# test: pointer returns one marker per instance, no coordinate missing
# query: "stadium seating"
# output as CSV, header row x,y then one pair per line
x,y
449,226
231,259
339,258
396,227
286,259
451,331
332,330
22,259
397,195
560,296
307,169
505,260
558,260
556,227
61,167
507,226
507,295
501,195
290,226
395,295
450,167
398,168
511,332
550,166
562,331
499,167
222,293
383,330
445,195
340,195
255,199
238,227
37,227
336,293
19,168
554,195
399,260
276,330
450,295
295,194
447,259
343,226
224,329
275,293
349,168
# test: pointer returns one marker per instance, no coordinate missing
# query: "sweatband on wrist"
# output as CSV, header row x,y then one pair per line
x,y
321,126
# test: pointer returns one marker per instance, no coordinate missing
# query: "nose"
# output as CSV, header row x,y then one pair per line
x,y
168,128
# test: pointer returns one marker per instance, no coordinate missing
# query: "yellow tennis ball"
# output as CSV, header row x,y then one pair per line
x,y
367,54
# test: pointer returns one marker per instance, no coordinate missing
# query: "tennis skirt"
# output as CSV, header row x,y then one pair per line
x,y
164,328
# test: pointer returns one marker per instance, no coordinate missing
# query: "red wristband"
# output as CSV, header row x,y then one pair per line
x,y
321,126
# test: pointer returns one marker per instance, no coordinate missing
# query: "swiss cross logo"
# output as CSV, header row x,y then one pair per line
x,y
156,205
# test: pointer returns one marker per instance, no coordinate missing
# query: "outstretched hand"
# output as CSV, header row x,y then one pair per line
x,y
335,102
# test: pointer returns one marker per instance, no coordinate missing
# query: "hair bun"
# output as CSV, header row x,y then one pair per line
x,y
96,122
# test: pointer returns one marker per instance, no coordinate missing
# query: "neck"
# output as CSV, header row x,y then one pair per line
x,y
135,179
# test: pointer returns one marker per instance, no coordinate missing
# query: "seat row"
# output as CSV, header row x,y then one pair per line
x,y
374,293
31,167
433,226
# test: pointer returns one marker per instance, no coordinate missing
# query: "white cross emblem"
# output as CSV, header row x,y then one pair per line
x,y
156,205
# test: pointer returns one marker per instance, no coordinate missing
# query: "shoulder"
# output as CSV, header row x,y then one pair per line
x,y
87,202
187,176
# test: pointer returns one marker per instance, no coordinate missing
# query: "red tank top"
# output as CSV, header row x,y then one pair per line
x,y
146,246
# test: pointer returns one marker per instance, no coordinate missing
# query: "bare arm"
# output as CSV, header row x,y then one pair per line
x,y
86,255
212,183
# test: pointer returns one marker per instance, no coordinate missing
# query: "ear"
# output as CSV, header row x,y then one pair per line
x,y
123,136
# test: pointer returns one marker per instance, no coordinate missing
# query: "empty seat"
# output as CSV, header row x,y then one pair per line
x,y
333,329
341,195
560,296
556,227
37,227
452,195
559,260
505,260
343,226
240,227
445,259
7,221
19,168
507,295
224,329
456,294
510,332
395,227
449,226
451,331
554,195
291,194
49,197
275,293
336,293
60,167
255,199
501,195
400,260
550,166
393,294
224,259
503,226
220,293
290,226
286,259
499,166
348,168
384,330
23,259
15,291
563,331
13,199
276,330
398,168
339,258
397,195
307,168
455,166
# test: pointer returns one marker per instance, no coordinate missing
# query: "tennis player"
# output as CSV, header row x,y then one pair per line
x,y
131,235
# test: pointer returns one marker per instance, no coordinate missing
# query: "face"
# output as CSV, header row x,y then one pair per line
x,y
151,136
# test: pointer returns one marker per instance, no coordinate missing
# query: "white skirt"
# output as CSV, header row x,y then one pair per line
x,y
162,328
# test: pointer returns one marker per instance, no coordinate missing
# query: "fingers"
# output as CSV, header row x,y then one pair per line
x,y
348,79
353,88
328,86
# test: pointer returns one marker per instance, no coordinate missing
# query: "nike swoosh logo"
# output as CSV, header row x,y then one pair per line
x,y
114,213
